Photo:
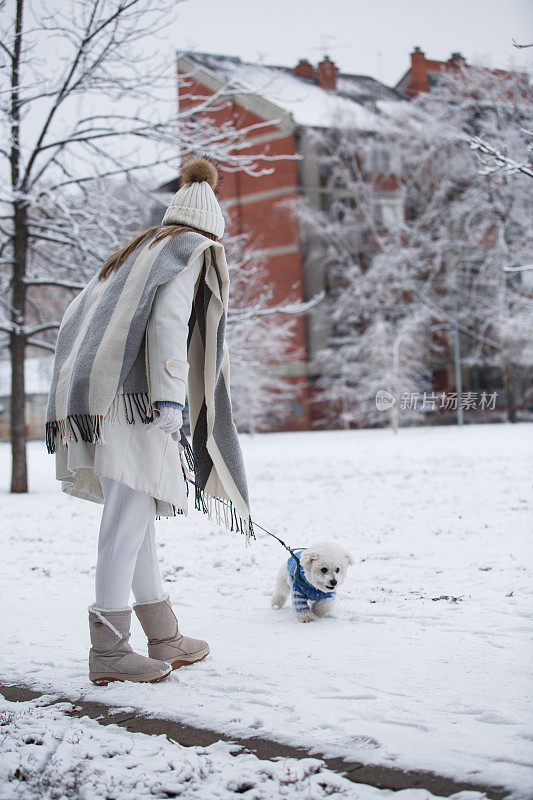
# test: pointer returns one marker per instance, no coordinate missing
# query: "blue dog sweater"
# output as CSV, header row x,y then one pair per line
x,y
302,590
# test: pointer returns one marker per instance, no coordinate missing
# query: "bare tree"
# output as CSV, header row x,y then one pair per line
x,y
85,98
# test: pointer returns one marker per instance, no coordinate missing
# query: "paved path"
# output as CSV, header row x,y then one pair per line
x,y
375,775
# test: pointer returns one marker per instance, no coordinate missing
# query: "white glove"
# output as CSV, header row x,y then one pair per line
x,y
168,419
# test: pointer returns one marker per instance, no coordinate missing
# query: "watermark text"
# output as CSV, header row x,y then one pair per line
x,y
435,401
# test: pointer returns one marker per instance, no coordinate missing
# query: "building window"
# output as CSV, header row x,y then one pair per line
x,y
380,160
387,212
433,80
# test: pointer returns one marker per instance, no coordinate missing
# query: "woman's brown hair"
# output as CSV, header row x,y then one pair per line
x,y
118,258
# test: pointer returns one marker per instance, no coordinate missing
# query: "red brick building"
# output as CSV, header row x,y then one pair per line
x,y
279,106
424,73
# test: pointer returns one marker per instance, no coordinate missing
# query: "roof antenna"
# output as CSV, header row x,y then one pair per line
x,y
327,44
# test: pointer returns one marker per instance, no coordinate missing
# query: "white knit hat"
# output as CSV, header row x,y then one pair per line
x,y
195,203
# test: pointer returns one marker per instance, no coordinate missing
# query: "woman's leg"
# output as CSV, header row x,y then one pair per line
x,y
125,522
147,585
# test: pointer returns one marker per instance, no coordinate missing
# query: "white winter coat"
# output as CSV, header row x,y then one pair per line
x,y
147,461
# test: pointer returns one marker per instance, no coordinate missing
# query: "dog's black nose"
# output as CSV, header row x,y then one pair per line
x,y
333,582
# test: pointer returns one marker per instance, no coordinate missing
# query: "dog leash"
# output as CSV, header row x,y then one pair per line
x,y
189,456
298,574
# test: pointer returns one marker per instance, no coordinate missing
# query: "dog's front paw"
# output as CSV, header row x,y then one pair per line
x,y
306,616
278,601
323,607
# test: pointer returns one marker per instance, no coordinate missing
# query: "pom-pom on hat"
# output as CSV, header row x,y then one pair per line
x,y
195,203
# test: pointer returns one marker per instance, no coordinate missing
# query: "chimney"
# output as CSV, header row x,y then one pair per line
x,y
418,59
456,60
418,81
304,69
327,74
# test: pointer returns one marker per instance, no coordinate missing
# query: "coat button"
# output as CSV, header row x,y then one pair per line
x,y
171,367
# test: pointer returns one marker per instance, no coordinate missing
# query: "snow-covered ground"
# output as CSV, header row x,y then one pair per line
x,y
46,754
424,665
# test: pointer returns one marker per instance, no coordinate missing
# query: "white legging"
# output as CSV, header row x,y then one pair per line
x,y
127,558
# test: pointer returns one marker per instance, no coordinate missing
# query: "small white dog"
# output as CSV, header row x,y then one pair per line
x,y
322,568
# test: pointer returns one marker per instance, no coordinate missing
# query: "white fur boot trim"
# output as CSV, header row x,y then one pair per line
x,y
102,618
150,602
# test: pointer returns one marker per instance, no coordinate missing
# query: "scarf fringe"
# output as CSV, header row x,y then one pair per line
x,y
223,510
138,403
90,427
224,513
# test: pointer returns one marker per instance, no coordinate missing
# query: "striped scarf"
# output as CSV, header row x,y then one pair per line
x,y
101,356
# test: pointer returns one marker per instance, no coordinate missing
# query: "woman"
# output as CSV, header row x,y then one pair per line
x,y
147,328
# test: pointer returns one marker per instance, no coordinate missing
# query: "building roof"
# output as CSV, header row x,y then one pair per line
x,y
355,103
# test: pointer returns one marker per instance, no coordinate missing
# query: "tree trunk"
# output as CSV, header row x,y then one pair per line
x,y
19,475
17,339
395,416
509,382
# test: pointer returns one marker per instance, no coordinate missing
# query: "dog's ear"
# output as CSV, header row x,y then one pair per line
x,y
307,558
349,559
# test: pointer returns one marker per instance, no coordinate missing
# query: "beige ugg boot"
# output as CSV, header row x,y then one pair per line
x,y
164,639
111,658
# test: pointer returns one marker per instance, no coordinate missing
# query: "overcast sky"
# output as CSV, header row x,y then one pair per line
x,y
371,38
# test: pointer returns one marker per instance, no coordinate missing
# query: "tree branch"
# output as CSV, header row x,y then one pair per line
x,y
240,314
51,282
500,161
525,268
43,345
65,89
52,326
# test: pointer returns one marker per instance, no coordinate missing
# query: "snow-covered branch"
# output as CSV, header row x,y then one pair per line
x,y
50,348
524,268
498,161
292,309
51,282
51,326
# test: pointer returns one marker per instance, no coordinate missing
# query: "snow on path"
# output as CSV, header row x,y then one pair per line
x,y
47,754
426,662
